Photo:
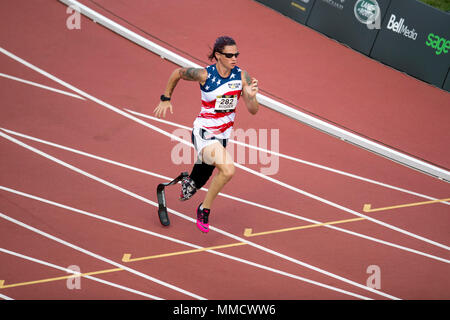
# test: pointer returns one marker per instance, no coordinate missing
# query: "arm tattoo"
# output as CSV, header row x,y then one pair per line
x,y
247,78
192,74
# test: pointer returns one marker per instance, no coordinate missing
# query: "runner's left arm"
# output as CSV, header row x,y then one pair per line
x,y
249,91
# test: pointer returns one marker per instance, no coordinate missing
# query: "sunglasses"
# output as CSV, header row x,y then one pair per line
x,y
230,55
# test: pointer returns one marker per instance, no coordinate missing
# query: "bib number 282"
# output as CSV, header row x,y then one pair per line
x,y
226,103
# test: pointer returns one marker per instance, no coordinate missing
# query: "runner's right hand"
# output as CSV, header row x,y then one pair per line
x,y
161,109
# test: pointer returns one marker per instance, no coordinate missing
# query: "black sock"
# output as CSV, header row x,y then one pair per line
x,y
201,172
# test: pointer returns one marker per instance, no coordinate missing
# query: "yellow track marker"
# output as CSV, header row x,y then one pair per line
x,y
368,207
3,286
249,232
127,257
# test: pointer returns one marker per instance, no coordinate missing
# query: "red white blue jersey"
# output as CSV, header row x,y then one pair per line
x,y
219,100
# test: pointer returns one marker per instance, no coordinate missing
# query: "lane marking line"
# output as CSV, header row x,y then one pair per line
x,y
340,207
127,256
5,297
87,275
98,257
173,137
312,164
368,207
41,86
260,266
248,232
239,239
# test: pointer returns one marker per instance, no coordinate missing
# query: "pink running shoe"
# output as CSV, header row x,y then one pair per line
x,y
202,219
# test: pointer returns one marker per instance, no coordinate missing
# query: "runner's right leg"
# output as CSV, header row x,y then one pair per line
x,y
215,154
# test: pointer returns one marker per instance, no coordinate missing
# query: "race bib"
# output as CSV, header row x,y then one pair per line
x,y
226,103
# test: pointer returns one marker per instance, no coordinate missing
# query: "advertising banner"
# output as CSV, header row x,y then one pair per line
x,y
415,38
352,22
297,10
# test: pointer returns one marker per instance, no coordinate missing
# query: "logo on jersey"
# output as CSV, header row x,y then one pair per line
x,y
234,85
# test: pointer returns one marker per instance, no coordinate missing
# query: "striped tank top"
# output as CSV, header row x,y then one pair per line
x,y
219,100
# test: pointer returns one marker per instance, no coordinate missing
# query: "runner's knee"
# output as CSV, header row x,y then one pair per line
x,y
227,171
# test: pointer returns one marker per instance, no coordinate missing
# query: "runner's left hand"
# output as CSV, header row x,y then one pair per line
x,y
252,89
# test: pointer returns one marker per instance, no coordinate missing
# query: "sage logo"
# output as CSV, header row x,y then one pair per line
x,y
400,27
367,11
436,42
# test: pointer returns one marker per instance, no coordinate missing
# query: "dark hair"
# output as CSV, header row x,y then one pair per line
x,y
221,42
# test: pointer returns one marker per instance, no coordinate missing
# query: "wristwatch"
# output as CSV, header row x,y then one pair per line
x,y
164,98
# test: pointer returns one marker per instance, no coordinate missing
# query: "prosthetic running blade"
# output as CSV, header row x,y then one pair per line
x,y
160,194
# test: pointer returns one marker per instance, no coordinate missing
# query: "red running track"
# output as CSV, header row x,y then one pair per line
x,y
115,71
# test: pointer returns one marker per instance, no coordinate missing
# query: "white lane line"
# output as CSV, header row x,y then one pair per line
x,y
159,176
136,196
173,137
340,207
41,86
312,164
89,155
5,297
182,242
96,216
96,256
89,253
51,265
